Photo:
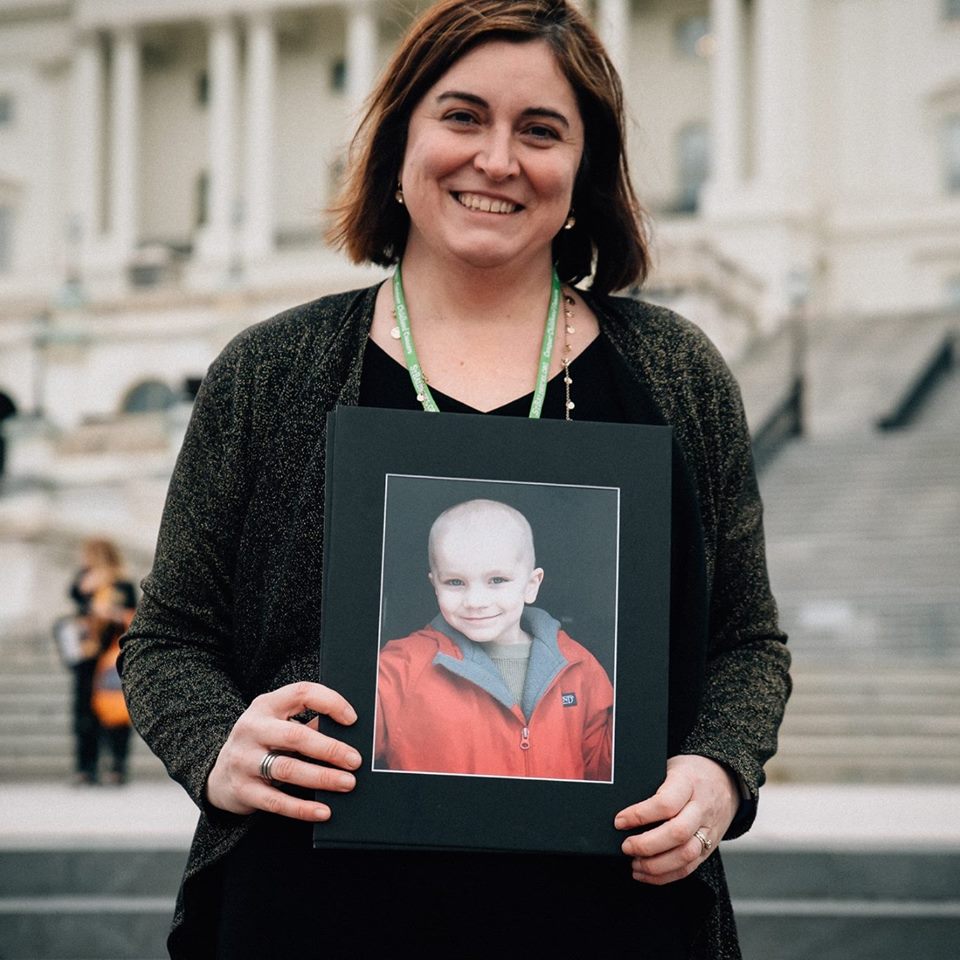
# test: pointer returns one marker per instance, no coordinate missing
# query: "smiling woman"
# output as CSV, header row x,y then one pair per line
x,y
490,162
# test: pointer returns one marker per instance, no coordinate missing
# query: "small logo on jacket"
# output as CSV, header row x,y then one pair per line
x,y
568,699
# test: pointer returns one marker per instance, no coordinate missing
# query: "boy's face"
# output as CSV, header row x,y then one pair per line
x,y
483,575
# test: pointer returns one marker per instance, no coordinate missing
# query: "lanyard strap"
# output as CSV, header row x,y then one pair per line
x,y
413,363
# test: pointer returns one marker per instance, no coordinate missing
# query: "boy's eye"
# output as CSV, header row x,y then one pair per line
x,y
453,582
499,579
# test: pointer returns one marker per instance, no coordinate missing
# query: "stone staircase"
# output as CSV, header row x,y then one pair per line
x,y
863,529
36,740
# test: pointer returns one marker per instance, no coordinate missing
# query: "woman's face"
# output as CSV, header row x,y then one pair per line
x,y
493,150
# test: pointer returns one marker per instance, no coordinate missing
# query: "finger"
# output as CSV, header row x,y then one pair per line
x,y
659,880
670,835
298,738
264,797
674,793
685,856
304,695
314,776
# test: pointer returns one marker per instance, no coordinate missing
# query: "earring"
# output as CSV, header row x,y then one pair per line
x,y
399,193
569,223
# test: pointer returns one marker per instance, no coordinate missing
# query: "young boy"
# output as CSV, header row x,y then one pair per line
x,y
491,686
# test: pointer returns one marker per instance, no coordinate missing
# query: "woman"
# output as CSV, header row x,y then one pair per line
x,y
491,151
105,599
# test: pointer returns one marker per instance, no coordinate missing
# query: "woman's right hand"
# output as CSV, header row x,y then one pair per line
x,y
235,783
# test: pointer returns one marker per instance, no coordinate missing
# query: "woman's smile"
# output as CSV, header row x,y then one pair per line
x,y
477,201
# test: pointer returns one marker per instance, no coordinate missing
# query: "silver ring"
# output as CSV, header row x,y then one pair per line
x,y
705,844
266,767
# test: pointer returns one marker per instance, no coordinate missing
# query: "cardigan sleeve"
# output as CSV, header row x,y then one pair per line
x,y
747,682
175,659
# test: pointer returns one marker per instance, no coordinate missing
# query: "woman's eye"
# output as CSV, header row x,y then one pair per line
x,y
464,117
541,132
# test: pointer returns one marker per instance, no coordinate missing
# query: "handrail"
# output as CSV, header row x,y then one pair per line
x,y
787,419
940,363
784,423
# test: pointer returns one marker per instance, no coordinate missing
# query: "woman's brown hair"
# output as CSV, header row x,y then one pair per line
x,y
609,238
103,553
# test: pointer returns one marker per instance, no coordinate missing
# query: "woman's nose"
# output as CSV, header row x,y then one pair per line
x,y
496,157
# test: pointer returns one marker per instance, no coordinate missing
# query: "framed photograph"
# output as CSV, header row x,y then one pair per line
x,y
496,607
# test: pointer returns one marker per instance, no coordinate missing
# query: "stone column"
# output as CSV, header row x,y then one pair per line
x,y
86,145
782,91
728,94
613,25
258,169
124,143
216,239
361,54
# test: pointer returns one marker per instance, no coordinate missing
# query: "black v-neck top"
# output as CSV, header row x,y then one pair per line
x,y
386,383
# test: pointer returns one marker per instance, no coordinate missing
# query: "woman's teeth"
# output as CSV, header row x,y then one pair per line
x,y
474,201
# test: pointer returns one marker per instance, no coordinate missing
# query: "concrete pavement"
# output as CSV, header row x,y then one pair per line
x,y
818,816
828,873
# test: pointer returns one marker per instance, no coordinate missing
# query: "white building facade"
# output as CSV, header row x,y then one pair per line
x,y
165,166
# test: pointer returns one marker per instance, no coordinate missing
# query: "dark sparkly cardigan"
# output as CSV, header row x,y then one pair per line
x,y
225,615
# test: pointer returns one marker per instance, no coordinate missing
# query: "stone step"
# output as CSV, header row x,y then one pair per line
x,y
84,928
793,904
58,767
856,768
830,707
40,705
909,747
875,723
823,929
90,872
869,679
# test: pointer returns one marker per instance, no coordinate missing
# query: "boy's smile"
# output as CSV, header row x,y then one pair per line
x,y
483,578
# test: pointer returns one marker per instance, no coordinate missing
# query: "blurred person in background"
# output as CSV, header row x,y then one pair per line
x,y
491,161
105,602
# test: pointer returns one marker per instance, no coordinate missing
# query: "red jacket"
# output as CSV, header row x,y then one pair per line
x,y
442,707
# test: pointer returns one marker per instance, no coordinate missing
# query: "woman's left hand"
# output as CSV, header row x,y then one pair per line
x,y
698,795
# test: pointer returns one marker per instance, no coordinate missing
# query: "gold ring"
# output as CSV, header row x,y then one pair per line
x,y
705,844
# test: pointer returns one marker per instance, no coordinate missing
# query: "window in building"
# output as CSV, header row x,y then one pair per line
x,y
951,152
693,160
953,291
951,9
6,109
147,396
6,239
338,75
202,91
693,37
202,199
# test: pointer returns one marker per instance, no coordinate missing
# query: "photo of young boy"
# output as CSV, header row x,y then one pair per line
x,y
492,685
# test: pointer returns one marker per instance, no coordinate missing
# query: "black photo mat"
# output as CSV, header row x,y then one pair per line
x,y
597,497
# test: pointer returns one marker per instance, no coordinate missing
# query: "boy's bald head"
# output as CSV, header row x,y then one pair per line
x,y
484,515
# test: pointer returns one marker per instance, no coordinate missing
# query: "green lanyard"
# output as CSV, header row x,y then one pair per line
x,y
413,364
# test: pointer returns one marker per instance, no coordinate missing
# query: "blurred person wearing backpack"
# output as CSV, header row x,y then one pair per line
x,y
105,603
